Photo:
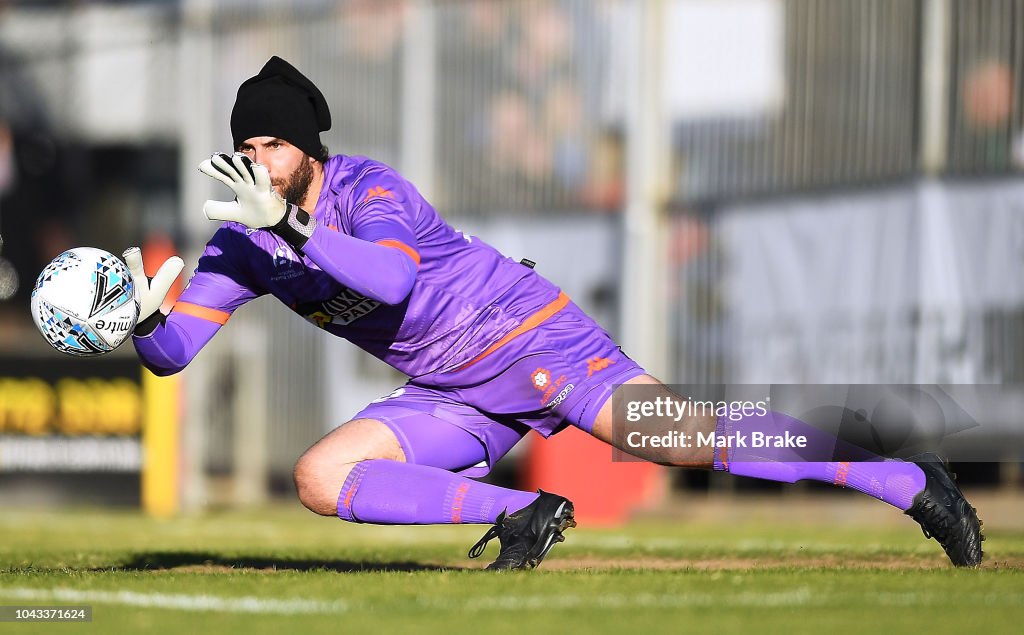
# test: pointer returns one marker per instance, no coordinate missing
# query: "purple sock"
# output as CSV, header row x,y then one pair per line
x,y
890,480
394,493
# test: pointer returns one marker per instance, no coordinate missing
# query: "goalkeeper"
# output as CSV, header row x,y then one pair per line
x,y
492,348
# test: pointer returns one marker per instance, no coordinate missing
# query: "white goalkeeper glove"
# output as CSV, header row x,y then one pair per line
x,y
151,292
257,205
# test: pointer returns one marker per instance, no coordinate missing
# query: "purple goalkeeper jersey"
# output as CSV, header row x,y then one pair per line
x,y
466,299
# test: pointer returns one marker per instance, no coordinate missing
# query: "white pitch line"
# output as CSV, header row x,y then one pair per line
x,y
802,596
799,597
180,602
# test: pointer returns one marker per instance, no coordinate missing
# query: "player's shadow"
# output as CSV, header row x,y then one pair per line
x,y
166,560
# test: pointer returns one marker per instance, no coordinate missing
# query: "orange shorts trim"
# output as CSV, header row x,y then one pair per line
x,y
529,323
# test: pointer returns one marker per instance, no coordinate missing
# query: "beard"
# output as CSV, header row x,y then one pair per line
x,y
296,186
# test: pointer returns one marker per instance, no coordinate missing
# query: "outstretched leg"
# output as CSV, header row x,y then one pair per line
x,y
923,488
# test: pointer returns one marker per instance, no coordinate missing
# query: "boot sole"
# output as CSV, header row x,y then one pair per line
x,y
563,519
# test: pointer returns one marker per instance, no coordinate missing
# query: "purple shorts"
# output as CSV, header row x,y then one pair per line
x,y
557,374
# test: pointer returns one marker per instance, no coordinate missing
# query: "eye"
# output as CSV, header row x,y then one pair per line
x,y
274,144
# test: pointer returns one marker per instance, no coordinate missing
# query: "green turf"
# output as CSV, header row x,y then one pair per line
x,y
320,575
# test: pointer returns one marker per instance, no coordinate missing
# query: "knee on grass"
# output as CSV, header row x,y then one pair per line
x,y
318,483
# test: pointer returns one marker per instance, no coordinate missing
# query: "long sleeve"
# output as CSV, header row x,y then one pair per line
x,y
173,344
219,285
380,259
383,270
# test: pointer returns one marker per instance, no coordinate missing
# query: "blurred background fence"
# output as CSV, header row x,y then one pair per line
x,y
761,191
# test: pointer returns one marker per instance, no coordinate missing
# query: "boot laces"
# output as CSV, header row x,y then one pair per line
x,y
478,549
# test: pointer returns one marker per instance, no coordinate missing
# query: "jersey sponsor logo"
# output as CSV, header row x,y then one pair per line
x,y
286,265
378,192
597,364
344,309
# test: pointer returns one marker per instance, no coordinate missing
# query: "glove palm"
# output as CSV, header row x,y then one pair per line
x,y
257,205
151,292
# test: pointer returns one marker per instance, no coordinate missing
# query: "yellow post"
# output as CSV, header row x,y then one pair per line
x,y
161,445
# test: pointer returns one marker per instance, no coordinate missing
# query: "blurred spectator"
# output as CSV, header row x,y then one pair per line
x,y
516,145
987,101
8,275
988,95
563,122
520,97
364,55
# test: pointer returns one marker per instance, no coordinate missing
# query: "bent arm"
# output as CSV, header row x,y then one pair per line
x,y
220,284
384,270
169,347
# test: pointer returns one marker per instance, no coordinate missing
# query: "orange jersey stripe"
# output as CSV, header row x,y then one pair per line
x,y
400,245
211,315
529,323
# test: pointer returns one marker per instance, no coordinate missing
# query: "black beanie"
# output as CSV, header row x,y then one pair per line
x,y
280,102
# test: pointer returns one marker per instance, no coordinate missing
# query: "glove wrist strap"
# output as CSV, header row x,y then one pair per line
x,y
296,226
150,324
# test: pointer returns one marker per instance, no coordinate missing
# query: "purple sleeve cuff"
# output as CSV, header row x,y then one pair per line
x,y
172,345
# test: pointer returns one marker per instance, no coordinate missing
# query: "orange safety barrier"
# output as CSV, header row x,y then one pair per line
x,y
155,252
576,465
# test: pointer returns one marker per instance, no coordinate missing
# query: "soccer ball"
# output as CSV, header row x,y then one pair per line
x,y
84,302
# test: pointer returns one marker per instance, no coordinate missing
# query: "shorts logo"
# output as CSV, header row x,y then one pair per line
x,y
541,379
597,364
398,392
378,192
561,396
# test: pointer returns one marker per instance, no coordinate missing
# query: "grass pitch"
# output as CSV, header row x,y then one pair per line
x,y
287,571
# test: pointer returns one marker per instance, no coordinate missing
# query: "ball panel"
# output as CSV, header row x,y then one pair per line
x,y
65,332
84,302
113,286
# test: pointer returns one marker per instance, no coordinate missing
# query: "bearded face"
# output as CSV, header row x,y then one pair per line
x,y
294,187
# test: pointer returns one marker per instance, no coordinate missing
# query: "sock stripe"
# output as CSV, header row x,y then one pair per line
x,y
348,491
720,454
460,496
842,473
396,493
